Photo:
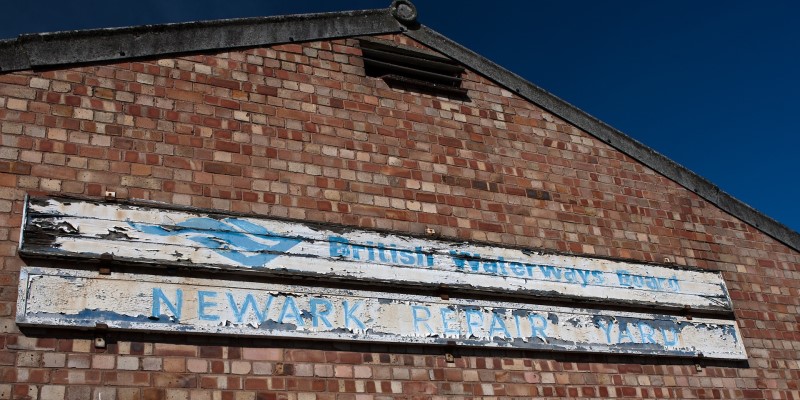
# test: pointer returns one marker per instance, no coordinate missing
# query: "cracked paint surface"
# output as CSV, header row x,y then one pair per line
x,y
81,299
153,236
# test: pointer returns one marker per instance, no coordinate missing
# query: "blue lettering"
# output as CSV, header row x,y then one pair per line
x,y
370,251
202,304
652,283
498,325
624,278
290,310
176,308
530,268
424,320
472,325
350,317
669,342
624,334
598,276
501,263
673,284
646,334
393,253
569,275
461,259
537,330
517,268
406,257
448,317
549,270
249,302
355,249
339,246
381,253
490,267
317,315
606,329
584,274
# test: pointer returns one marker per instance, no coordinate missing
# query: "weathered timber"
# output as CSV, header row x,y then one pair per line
x,y
136,302
80,229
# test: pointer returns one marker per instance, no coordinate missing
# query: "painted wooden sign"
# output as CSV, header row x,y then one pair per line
x,y
69,298
156,236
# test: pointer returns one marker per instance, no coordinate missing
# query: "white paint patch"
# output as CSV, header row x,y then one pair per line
x,y
80,299
148,235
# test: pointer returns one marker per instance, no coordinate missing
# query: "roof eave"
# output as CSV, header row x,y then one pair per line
x,y
115,44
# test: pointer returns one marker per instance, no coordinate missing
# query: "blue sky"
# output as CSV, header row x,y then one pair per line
x,y
712,85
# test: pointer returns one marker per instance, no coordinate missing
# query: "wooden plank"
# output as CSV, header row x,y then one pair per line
x,y
82,299
150,235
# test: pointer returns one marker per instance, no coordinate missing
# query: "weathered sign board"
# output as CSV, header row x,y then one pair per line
x,y
69,298
56,227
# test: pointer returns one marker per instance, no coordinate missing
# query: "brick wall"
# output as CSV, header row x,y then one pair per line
x,y
297,131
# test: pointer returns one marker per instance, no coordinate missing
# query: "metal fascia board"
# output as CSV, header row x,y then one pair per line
x,y
86,46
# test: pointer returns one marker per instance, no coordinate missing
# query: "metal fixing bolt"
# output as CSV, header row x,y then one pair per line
x,y
99,339
404,11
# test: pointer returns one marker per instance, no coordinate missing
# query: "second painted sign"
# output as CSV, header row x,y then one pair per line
x,y
82,299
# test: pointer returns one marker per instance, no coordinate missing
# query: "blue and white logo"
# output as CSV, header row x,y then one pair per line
x,y
238,240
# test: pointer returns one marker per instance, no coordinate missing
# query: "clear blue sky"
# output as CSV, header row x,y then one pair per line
x,y
712,85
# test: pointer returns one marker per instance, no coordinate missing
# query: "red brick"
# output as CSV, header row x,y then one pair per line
x,y
165,349
12,167
227,146
224,83
221,168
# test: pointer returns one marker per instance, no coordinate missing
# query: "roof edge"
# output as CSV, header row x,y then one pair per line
x,y
112,44
613,137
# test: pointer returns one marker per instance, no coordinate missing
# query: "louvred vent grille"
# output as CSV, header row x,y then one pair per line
x,y
412,67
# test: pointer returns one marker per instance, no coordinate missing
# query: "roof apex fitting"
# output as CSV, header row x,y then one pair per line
x,y
405,12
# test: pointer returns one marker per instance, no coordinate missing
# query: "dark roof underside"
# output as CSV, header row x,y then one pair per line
x,y
49,50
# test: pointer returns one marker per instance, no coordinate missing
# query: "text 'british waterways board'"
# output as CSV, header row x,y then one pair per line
x,y
157,236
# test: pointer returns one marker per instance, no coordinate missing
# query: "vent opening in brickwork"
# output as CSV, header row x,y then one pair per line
x,y
411,67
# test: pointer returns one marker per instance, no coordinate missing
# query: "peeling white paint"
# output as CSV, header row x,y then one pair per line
x,y
137,302
139,234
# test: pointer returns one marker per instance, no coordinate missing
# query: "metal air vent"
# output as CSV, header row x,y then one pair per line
x,y
412,67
